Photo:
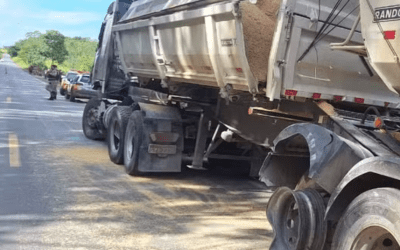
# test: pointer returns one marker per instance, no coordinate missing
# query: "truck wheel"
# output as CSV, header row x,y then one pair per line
x,y
67,96
116,133
72,98
297,218
62,91
371,221
89,120
133,140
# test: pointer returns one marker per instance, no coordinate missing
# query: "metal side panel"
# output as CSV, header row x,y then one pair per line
x,y
136,52
144,8
322,8
378,17
279,49
203,46
326,72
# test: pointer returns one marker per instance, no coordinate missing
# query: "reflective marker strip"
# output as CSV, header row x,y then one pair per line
x,y
316,96
359,100
390,34
337,98
14,151
290,92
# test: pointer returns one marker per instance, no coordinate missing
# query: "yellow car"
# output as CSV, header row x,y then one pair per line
x,y
66,81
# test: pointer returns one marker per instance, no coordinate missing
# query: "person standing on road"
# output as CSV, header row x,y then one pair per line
x,y
54,76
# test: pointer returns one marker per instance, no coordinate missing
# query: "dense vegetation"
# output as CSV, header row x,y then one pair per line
x,y
52,47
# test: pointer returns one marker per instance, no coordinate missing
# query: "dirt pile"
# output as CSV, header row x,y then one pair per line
x,y
258,28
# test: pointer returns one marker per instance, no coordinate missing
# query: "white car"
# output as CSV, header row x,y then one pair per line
x,y
78,79
66,81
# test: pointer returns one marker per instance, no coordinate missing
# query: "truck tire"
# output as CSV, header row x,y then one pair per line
x,y
116,133
89,121
72,98
133,140
66,95
62,91
371,221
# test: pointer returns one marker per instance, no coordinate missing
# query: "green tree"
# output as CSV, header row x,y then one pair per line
x,y
54,46
81,53
35,34
31,51
14,50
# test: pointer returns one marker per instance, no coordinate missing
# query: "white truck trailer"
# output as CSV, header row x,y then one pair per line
x,y
304,93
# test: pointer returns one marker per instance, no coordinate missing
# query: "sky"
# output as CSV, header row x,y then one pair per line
x,y
70,17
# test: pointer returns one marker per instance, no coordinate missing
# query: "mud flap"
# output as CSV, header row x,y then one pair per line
x,y
162,139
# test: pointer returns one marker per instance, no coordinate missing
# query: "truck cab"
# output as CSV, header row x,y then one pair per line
x,y
106,50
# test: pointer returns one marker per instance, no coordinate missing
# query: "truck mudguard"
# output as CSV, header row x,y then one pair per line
x,y
367,174
161,127
309,149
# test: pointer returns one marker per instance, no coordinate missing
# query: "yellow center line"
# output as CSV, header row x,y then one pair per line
x,y
8,100
13,145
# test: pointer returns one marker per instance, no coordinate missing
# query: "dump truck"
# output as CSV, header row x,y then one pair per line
x,y
302,94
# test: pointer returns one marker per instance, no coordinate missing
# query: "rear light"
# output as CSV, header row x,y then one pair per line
x,y
316,96
337,98
76,87
359,100
390,34
290,92
239,70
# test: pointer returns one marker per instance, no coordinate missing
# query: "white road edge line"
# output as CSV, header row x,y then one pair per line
x,y
13,146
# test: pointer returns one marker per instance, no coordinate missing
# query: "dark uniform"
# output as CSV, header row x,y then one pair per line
x,y
53,76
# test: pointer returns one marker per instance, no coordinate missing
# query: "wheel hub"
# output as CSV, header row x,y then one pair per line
x,y
298,219
375,238
91,117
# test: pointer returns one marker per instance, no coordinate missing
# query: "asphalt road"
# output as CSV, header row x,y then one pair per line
x,y
58,190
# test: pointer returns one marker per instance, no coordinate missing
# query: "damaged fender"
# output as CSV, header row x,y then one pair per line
x,y
311,150
368,174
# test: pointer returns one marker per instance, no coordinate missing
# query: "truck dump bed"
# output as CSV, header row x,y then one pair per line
x,y
251,47
380,23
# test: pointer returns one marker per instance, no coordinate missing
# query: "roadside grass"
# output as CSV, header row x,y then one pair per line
x,y
20,62
47,63
23,65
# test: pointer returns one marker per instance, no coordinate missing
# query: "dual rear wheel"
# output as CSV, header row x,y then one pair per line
x,y
124,137
116,133
124,134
